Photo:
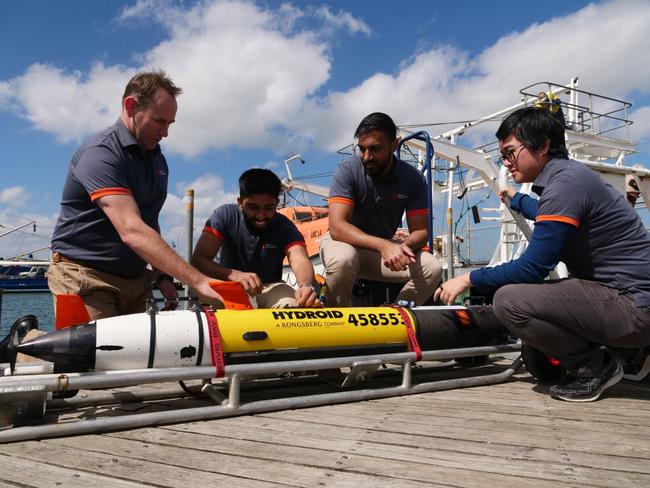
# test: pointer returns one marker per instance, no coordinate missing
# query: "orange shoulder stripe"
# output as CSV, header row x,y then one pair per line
x,y
558,218
416,212
294,243
109,191
343,200
214,232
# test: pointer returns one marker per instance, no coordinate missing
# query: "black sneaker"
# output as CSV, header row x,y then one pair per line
x,y
637,366
588,388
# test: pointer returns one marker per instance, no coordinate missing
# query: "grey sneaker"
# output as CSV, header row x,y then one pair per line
x,y
588,388
637,366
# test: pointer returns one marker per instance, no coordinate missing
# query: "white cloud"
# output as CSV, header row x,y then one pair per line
x,y
243,81
252,77
272,165
69,105
602,44
640,129
209,193
141,9
5,94
343,20
14,196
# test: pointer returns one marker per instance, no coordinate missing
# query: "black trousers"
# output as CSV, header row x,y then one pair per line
x,y
570,319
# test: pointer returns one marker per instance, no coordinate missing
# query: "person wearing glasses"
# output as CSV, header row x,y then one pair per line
x,y
585,223
254,240
368,197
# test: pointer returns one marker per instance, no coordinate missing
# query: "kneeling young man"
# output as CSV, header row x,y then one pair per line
x,y
254,239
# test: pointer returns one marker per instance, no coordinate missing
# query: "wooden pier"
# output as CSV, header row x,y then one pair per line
x,y
507,435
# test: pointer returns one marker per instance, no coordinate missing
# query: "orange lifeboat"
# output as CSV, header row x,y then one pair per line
x,y
312,222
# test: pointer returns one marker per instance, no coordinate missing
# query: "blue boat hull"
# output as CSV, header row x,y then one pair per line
x,y
23,284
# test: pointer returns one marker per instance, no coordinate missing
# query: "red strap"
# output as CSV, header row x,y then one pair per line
x,y
216,352
413,342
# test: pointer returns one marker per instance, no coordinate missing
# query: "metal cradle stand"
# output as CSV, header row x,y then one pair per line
x,y
25,397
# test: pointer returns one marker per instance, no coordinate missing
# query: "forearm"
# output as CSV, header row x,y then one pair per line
x,y
214,270
351,234
417,239
304,272
151,247
525,205
541,256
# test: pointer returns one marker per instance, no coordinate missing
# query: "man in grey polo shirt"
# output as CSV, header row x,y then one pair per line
x,y
368,197
108,231
254,239
588,225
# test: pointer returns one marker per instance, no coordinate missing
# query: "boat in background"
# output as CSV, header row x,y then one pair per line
x,y
23,272
16,276
312,222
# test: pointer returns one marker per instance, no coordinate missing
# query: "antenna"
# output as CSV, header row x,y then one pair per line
x,y
288,160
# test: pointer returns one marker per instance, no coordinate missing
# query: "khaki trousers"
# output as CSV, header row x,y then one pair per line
x,y
345,263
104,294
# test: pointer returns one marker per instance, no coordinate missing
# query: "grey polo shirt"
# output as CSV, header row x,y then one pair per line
x,y
379,203
252,252
110,163
612,246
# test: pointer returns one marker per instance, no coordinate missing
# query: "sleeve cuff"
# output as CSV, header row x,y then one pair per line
x,y
515,202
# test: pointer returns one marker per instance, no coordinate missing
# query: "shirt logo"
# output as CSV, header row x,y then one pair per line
x,y
161,172
399,196
269,246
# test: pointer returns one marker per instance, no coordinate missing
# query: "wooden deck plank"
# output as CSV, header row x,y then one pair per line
x,y
456,411
202,453
113,467
507,435
33,471
578,439
406,445
383,453
377,462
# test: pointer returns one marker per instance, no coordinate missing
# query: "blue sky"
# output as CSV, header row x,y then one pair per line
x,y
264,80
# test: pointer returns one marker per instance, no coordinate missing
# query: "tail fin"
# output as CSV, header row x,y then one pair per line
x,y
18,331
70,311
12,350
233,294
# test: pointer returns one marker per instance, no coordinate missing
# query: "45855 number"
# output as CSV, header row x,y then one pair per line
x,y
363,319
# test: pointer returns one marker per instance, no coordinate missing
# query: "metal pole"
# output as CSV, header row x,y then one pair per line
x,y
450,228
33,251
190,231
469,242
31,222
234,408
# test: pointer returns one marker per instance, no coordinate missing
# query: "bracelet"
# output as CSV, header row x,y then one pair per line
x,y
306,286
163,276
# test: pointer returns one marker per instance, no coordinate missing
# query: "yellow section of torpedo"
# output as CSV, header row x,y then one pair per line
x,y
298,328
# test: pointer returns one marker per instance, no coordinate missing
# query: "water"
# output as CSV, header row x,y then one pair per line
x,y
15,305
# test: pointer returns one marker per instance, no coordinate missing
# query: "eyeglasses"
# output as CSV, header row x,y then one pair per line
x,y
511,154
